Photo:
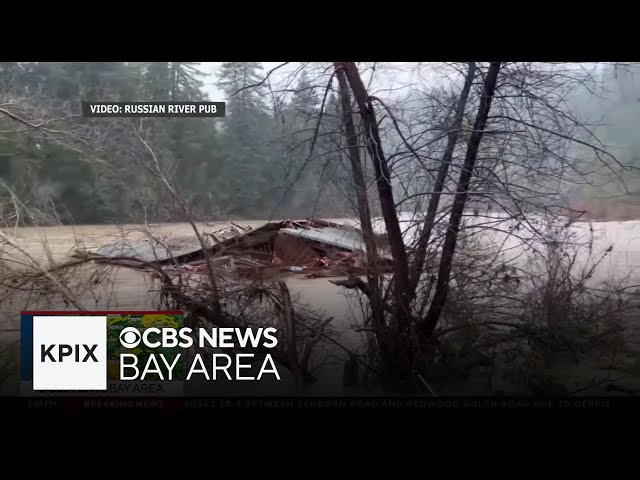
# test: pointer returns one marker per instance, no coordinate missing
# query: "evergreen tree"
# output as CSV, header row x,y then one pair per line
x,y
250,141
158,81
305,100
234,166
234,79
186,82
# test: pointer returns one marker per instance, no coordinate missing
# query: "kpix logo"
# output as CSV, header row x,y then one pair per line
x,y
69,352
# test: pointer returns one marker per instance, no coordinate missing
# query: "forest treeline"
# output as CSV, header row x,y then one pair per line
x,y
275,154
254,163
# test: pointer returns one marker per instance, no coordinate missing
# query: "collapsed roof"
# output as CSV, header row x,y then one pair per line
x,y
312,247
338,237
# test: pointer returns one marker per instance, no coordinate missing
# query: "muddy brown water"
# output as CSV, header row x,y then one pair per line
x,y
133,290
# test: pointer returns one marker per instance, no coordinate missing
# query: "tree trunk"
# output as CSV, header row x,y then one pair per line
x,y
385,193
174,80
428,325
290,325
373,278
434,200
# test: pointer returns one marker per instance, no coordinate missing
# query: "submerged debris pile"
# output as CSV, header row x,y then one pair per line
x,y
311,248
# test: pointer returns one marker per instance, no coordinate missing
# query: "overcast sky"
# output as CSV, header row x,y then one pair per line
x,y
211,68
389,80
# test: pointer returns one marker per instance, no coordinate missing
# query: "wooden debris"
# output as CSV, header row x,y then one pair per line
x,y
264,251
239,227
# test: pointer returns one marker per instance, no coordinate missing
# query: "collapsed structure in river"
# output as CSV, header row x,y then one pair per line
x,y
310,248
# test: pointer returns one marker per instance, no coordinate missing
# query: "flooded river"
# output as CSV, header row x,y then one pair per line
x,y
133,290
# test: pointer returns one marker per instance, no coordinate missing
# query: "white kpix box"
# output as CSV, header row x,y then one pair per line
x,y
85,367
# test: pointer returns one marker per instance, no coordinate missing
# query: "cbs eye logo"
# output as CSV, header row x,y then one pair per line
x,y
130,337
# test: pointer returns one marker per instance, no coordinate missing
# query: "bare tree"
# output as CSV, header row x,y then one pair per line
x,y
438,186
364,214
428,325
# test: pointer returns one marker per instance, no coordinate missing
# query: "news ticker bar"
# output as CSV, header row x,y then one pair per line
x,y
154,109
313,403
